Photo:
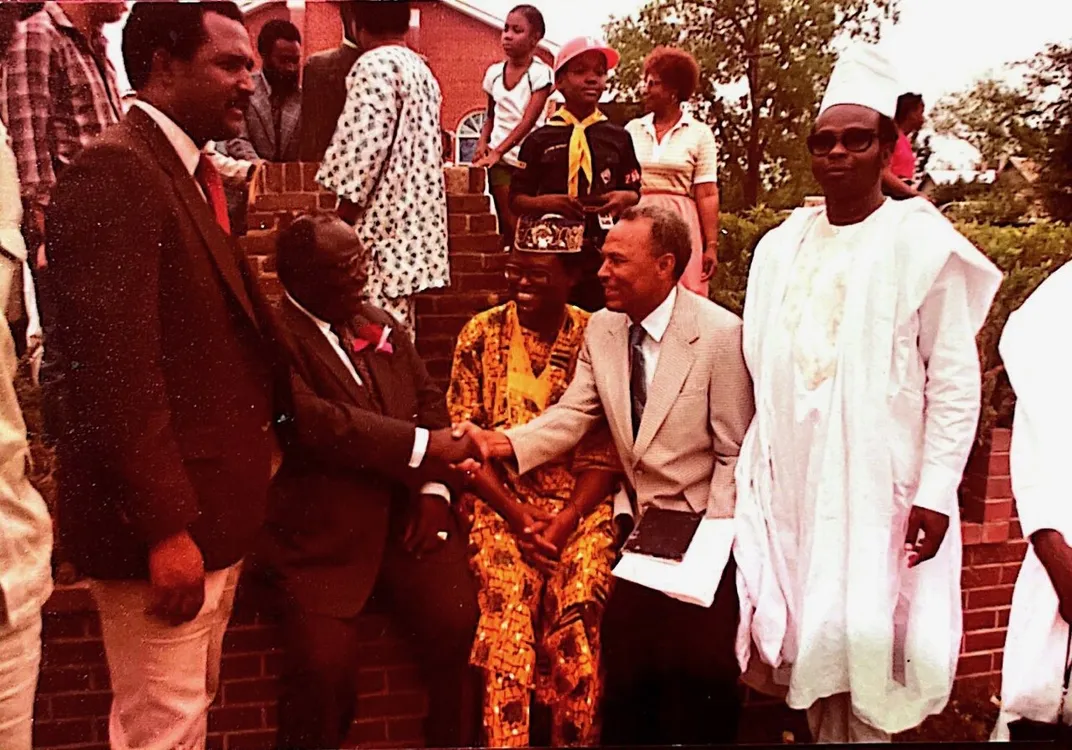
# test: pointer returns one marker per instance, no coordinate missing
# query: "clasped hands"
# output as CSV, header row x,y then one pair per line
x,y
541,535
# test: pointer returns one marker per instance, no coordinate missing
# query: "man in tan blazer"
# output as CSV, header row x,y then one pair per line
x,y
664,368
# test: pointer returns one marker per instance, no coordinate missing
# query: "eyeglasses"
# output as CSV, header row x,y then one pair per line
x,y
514,273
855,140
351,267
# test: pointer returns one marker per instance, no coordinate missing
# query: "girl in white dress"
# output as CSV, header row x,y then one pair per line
x,y
517,90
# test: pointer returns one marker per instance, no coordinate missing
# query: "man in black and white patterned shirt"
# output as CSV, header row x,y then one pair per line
x,y
385,163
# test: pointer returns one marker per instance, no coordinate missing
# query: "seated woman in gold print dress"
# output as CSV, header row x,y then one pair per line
x,y
541,544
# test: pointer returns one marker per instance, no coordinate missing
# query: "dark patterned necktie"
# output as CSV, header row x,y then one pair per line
x,y
638,385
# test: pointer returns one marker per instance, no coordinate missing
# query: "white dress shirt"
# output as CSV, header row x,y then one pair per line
x,y
655,326
232,171
420,435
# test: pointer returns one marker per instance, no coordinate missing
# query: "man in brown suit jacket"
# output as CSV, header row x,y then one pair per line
x,y
357,507
167,446
664,367
324,86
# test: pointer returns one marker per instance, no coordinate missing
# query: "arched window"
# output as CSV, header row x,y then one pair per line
x,y
467,135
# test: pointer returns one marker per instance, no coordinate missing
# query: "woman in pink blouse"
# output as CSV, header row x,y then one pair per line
x,y
678,158
901,173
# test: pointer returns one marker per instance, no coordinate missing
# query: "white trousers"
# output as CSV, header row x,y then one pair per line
x,y
20,659
832,721
164,678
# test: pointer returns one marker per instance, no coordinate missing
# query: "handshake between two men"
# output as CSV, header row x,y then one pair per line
x,y
470,451
467,447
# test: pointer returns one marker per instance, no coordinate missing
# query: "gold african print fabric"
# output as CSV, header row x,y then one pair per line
x,y
538,635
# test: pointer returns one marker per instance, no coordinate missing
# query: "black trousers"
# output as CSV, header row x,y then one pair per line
x,y
432,602
53,410
671,668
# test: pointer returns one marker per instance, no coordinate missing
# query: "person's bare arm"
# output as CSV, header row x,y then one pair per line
x,y
707,206
528,122
485,135
895,187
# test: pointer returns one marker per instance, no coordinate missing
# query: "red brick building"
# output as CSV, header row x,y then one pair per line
x,y
459,40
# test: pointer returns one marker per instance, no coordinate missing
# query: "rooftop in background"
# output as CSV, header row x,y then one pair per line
x,y
468,9
1027,168
953,176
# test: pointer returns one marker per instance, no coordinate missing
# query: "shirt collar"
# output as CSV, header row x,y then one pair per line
x,y
183,144
658,320
648,123
323,325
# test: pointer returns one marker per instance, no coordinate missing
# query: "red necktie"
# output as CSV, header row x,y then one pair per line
x,y
210,181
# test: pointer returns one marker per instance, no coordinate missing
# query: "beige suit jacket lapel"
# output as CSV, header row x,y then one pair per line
x,y
616,353
676,356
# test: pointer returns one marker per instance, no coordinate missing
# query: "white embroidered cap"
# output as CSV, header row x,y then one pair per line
x,y
866,77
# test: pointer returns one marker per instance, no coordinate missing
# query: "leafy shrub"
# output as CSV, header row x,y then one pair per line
x,y
1026,255
738,236
1001,207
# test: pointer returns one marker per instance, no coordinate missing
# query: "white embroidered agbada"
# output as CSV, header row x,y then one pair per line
x,y
1039,367
860,342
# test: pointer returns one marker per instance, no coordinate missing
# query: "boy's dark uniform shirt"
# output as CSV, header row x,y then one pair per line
x,y
544,170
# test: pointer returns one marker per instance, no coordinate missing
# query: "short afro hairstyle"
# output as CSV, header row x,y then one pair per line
x,y
669,234
677,69
176,28
276,30
382,18
295,248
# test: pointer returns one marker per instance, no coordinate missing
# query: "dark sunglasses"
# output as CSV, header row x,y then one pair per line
x,y
856,140
515,273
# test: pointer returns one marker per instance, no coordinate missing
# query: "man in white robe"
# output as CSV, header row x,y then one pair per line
x,y
859,333
1039,369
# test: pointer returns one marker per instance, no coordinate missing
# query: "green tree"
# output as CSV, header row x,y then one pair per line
x,y
1033,120
763,67
1051,77
997,119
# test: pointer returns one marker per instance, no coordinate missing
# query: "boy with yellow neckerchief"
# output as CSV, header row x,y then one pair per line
x,y
580,164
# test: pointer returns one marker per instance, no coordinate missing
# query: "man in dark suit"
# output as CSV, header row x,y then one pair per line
x,y
274,113
324,82
168,447
355,507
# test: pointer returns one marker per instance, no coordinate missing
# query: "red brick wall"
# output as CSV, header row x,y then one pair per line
x,y
459,67
993,550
